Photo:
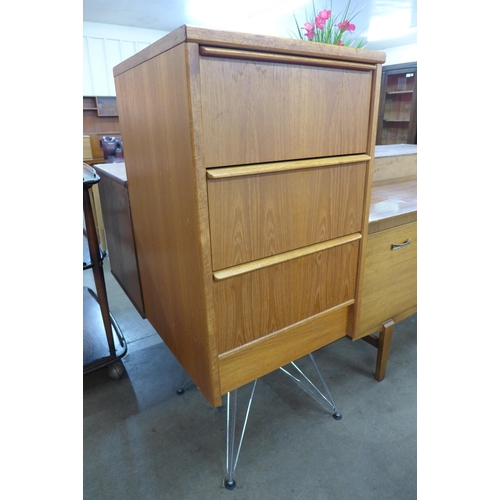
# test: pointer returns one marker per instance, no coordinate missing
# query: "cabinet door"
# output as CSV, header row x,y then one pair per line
x,y
258,111
390,276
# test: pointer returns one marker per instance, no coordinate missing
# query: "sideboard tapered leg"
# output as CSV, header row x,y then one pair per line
x,y
383,349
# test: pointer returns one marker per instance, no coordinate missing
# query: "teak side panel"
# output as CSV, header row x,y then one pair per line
x,y
296,111
256,359
253,305
372,130
261,215
390,283
154,101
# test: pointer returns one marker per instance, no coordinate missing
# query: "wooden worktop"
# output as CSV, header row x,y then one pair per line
x,y
393,202
394,187
115,171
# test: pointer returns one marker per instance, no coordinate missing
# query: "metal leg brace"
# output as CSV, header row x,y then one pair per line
x,y
324,400
231,459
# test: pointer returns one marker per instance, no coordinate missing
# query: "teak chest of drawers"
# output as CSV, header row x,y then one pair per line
x,y
249,162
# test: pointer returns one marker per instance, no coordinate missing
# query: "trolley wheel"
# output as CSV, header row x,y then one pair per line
x,y
116,370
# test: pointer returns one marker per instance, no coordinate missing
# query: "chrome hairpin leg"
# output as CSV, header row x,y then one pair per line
x,y
231,459
324,400
182,385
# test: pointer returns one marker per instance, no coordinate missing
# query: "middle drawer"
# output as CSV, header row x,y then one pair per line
x,y
259,214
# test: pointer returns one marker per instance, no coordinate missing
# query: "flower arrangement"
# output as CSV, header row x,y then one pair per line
x,y
324,28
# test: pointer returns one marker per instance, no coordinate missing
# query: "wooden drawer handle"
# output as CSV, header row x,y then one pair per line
x,y
397,246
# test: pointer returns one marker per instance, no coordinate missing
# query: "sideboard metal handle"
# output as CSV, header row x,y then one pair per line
x,y
397,246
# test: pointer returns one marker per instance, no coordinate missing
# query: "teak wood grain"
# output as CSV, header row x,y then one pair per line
x,y
264,43
256,265
393,203
249,178
297,111
256,304
162,182
370,147
255,359
390,283
283,166
252,217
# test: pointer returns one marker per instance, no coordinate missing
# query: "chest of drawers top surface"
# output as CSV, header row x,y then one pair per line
x,y
234,40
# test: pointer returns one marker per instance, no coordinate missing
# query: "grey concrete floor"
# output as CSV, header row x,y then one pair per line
x,y
143,441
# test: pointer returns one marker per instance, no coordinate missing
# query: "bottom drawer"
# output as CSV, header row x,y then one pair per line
x,y
251,361
390,277
258,303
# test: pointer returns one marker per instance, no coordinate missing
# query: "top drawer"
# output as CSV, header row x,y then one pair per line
x,y
284,108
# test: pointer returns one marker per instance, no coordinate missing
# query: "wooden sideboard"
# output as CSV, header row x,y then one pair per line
x,y
390,277
119,231
249,165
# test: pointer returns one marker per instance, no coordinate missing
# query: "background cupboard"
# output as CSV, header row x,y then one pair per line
x,y
249,164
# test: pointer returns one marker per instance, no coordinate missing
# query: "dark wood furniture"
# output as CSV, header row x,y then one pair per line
x,y
119,231
103,342
397,120
249,163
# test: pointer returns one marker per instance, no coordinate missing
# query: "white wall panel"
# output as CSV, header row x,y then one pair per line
x,y
88,86
105,46
113,57
97,56
128,49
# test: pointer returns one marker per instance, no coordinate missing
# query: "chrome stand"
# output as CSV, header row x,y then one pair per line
x,y
232,454
232,460
324,400
182,385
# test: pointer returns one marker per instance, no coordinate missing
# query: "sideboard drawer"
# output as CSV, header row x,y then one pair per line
x,y
255,216
255,304
390,279
296,111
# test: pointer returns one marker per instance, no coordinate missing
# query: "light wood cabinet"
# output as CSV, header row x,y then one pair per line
x,y
390,283
249,164
389,292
